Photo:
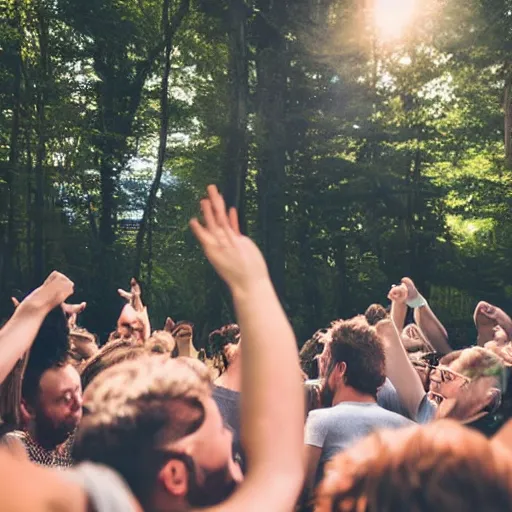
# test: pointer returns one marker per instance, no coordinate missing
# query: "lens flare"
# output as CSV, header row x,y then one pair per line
x,y
392,17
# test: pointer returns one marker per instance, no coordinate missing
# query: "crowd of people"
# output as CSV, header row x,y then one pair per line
x,y
375,413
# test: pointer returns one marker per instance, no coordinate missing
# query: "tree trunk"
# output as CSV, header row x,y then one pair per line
x,y
507,121
119,93
28,200
9,236
41,146
108,182
162,145
342,292
237,144
271,63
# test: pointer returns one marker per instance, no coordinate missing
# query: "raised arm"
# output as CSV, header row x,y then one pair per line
x,y
18,334
426,319
134,315
398,298
399,369
486,318
273,398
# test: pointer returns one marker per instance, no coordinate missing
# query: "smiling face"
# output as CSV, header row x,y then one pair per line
x,y
445,382
58,407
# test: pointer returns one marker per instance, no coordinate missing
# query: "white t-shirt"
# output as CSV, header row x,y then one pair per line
x,y
336,428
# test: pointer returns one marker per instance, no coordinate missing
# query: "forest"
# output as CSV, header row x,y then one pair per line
x,y
360,140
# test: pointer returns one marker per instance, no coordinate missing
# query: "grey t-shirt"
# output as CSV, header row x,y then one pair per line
x,y
337,428
387,397
228,402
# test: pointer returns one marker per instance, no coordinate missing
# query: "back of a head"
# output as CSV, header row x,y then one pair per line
x,y
312,348
375,313
217,340
162,342
136,407
476,362
357,344
83,345
112,353
442,467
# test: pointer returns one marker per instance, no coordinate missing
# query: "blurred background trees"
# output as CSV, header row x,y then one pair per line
x,y
360,140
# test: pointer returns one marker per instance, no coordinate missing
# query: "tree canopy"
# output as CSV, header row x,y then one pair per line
x,y
359,142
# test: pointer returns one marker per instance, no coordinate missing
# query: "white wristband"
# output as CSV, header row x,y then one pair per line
x,y
418,302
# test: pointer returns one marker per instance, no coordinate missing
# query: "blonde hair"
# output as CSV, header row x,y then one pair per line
x,y
162,342
477,362
114,352
135,409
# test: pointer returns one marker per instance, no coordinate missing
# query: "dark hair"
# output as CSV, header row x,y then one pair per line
x,y
357,344
49,350
375,313
217,340
308,355
221,337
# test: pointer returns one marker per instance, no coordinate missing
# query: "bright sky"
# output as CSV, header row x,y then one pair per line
x,y
393,16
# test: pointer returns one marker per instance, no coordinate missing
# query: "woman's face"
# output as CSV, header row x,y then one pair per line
x,y
445,382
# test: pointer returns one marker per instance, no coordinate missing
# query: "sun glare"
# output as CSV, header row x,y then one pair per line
x,y
393,16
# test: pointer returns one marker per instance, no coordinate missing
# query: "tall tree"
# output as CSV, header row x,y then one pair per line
x,y
271,95
237,137
169,28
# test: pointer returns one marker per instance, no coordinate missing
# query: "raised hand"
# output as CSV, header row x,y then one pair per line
x,y
72,322
487,310
485,320
133,296
170,324
73,309
387,332
412,291
236,258
52,293
398,294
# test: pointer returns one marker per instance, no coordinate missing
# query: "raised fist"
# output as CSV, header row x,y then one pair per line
x,y
398,294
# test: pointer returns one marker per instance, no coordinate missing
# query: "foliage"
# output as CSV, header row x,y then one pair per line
x,y
366,158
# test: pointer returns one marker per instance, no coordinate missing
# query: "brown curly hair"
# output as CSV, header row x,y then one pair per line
x,y
134,409
442,466
375,313
217,340
357,344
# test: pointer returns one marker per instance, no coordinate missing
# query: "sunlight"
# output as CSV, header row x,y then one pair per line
x,y
392,17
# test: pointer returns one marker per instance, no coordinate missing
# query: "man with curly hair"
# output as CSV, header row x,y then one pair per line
x,y
355,370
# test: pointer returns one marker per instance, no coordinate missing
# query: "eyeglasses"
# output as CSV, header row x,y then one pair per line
x,y
444,374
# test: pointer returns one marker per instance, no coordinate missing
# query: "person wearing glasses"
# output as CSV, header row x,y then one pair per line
x,y
455,373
